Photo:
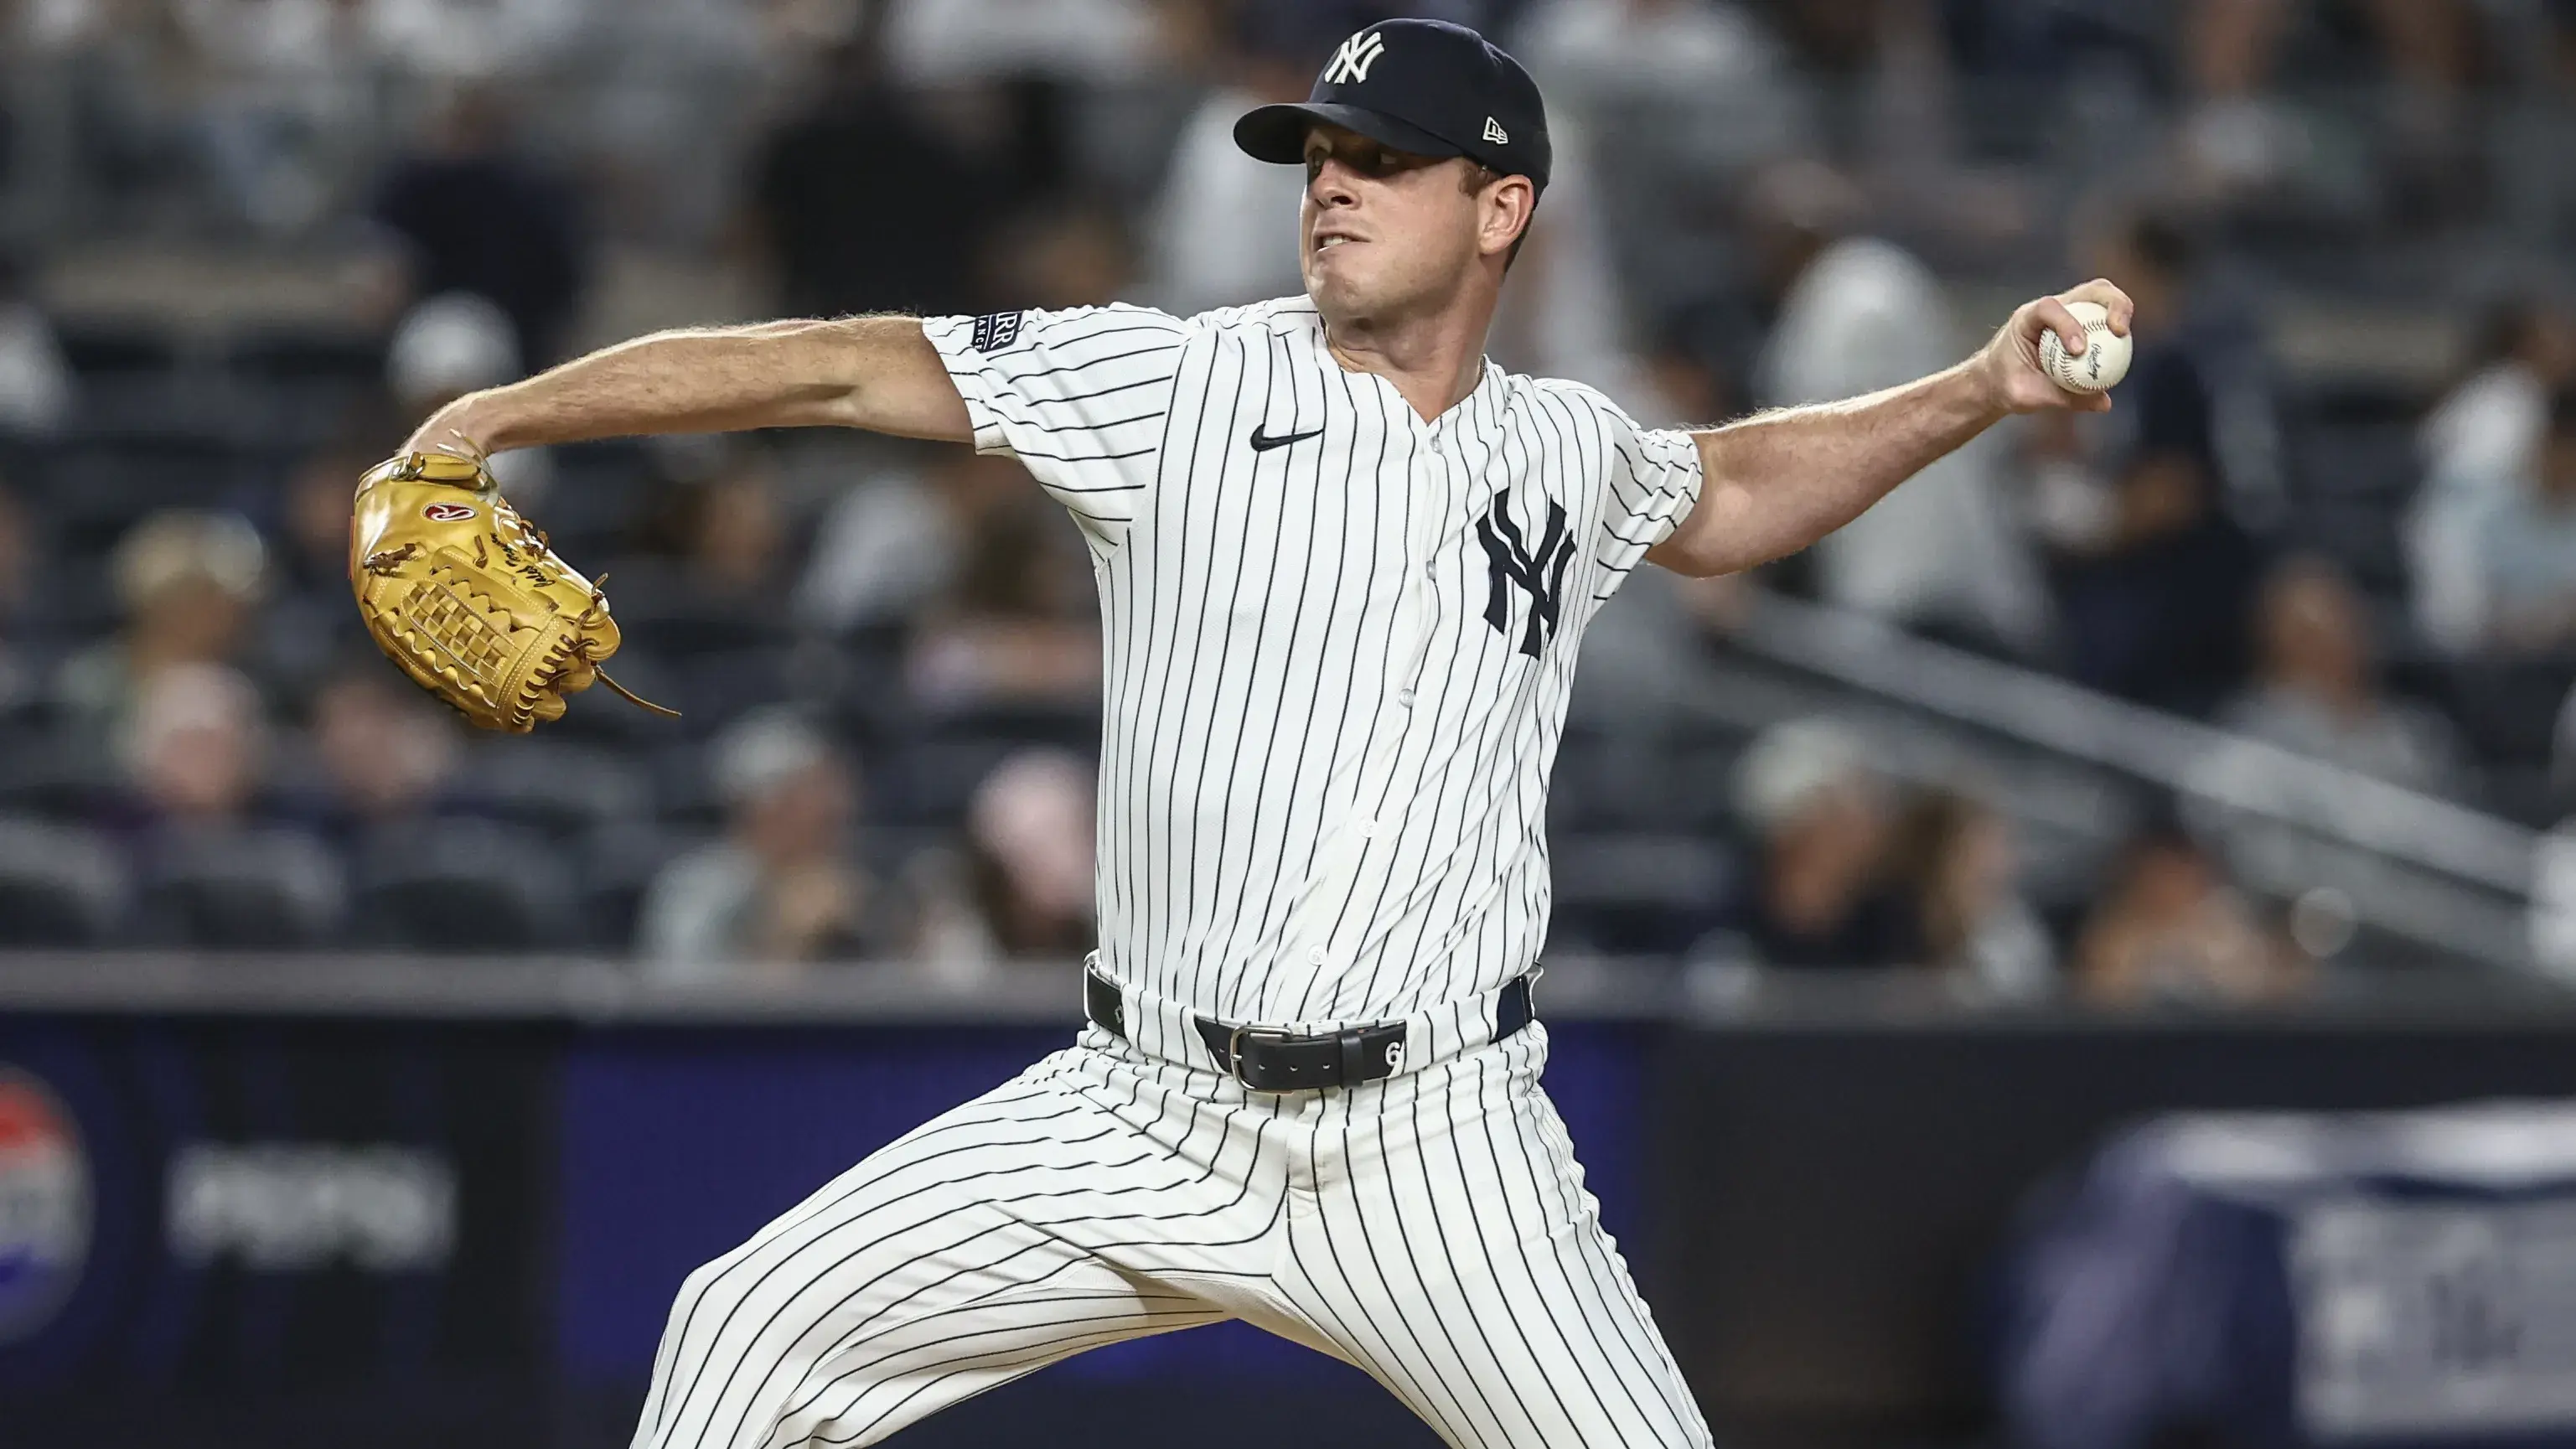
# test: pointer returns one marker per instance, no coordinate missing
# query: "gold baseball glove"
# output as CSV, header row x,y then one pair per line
x,y
470,600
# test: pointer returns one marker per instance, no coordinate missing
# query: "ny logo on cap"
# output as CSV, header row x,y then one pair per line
x,y
1495,133
1352,61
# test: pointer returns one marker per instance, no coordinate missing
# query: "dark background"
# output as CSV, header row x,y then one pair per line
x,y
1809,1202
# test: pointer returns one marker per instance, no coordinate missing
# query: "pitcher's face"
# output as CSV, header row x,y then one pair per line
x,y
1384,232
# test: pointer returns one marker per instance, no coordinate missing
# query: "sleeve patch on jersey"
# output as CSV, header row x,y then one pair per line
x,y
997,330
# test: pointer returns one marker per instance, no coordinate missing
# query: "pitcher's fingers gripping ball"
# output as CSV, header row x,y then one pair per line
x,y
470,600
2102,363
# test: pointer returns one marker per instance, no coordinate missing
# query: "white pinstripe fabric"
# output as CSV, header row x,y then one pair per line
x,y
1324,771
1333,698
1431,1228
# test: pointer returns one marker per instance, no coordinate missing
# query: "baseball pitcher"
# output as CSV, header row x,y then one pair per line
x,y
1345,564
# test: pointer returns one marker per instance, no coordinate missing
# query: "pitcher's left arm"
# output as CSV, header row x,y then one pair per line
x,y
1778,481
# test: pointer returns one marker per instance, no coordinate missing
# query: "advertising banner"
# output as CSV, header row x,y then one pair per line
x,y
299,1231
306,1221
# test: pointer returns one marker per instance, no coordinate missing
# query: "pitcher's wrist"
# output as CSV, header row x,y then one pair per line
x,y
455,429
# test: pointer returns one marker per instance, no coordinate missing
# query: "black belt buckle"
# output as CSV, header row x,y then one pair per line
x,y
1259,1078
1270,1059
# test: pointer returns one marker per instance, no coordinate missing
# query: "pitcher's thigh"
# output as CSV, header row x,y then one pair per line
x,y
1462,1263
914,1280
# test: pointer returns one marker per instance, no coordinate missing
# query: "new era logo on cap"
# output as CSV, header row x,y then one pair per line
x,y
1495,133
1351,62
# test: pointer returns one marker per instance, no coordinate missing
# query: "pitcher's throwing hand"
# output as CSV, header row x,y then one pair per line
x,y
2013,356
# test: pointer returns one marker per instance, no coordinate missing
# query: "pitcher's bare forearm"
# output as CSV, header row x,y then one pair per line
x,y
878,373
1777,482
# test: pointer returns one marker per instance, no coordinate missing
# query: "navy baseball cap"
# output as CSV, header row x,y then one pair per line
x,y
1424,86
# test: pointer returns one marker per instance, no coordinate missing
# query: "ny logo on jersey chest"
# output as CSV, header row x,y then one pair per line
x,y
1541,571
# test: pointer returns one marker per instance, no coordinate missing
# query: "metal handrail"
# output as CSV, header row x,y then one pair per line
x,y
2228,769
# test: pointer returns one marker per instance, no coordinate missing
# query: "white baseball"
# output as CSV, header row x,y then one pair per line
x,y
2104,361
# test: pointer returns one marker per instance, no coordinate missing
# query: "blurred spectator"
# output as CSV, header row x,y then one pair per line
x,y
1857,314
781,885
891,544
36,385
20,679
2154,578
447,346
1890,66
2170,928
1591,50
671,93
452,344
2315,690
2517,591
2487,426
213,874
1027,887
475,41
1020,623
821,186
1820,895
1700,82
309,623
284,80
1702,356
722,540
2481,442
945,42
1563,311
1224,232
195,745
188,582
477,218
1069,254
1954,857
381,753
2237,138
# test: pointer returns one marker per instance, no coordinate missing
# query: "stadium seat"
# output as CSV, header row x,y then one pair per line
x,y
1637,892
249,889
97,491
1065,726
1609,781
465,885
103,348
929,781
618,866
160,406
597,716
564,788
684,636
59,885
306,354
45,774
684,790
710,689
2508,708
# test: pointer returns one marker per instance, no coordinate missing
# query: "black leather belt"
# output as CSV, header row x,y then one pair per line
x,y
1267,1059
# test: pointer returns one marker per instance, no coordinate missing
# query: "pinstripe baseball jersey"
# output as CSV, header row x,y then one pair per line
x,y
1339,642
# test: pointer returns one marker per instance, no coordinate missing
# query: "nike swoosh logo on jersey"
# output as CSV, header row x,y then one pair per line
x,y
1263,442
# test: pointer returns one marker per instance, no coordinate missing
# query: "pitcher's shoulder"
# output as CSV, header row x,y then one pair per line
x,y
1278,316
1583,397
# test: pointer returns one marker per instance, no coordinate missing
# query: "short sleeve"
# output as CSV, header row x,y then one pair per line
x,y
1080,397
1654,481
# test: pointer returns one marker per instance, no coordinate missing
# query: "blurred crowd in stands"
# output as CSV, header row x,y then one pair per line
x,y
887,655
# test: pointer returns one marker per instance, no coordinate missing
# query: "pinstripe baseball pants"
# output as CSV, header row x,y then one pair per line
x,y
1431,1228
